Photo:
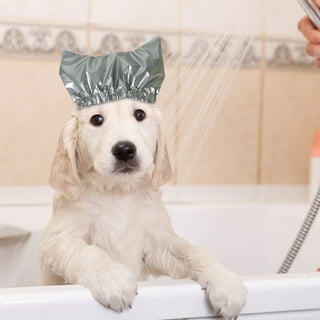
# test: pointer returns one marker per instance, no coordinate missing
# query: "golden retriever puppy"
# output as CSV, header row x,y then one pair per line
x,y
109,227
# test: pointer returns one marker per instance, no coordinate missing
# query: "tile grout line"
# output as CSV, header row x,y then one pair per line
x,y
89,26
263,67
177,131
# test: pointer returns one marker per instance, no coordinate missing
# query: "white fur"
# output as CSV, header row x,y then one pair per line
x,y
109,230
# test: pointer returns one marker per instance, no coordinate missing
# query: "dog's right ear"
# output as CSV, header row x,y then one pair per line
x,y
64,172
162,171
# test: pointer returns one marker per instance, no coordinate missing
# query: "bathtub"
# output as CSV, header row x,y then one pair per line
x,y
248,228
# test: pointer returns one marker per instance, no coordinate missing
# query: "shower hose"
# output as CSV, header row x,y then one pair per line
x,y
302,234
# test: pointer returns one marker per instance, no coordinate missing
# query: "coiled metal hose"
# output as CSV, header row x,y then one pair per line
x,y
302,234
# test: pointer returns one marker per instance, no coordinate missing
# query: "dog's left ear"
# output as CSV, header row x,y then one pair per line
x,y
64,176
162,170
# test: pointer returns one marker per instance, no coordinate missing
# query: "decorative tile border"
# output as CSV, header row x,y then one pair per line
x,y
40,40
188,49
287,54
106,41
48,41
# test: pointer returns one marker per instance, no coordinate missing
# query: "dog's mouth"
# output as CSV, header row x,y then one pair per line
x,y
122,167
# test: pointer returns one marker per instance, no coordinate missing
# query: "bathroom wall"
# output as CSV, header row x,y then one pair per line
x,y
263,133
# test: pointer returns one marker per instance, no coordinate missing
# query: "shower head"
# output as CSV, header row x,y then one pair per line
x,y
312,10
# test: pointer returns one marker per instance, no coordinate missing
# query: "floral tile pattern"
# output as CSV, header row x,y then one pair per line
x,y
40,40
48,41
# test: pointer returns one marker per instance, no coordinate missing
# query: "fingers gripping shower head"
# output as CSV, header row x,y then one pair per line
x,y
136,74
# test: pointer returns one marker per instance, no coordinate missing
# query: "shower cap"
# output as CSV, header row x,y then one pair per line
x,y
136,74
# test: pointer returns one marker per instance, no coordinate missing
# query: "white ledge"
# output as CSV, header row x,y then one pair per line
x,y
42,195
160,300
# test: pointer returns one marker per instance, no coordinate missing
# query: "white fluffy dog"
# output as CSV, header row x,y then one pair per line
x,y
109,227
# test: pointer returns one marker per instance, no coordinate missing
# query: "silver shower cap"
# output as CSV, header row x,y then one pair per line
x,y
136,74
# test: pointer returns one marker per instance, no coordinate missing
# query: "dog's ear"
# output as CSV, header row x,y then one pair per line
x,y
64,172
162,170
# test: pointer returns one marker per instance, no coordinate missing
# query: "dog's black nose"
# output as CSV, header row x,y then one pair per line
x,y
124,150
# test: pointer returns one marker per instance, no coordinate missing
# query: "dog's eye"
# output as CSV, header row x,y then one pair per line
x,y
97,120
139,114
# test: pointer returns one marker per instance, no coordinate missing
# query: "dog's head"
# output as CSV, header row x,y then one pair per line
x,y
120,142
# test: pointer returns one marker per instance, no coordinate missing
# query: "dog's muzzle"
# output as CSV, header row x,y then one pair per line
x,y
125,154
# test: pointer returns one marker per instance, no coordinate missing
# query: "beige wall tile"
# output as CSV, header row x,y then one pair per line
x,y
34,108
138,14
282,18
291,115
229,153
230,17
71,11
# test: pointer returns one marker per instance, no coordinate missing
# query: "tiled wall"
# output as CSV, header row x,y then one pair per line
x,y
268,114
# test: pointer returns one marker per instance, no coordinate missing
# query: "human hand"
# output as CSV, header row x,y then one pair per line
x,y
312,34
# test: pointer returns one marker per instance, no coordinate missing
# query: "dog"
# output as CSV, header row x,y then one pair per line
x,y
109,227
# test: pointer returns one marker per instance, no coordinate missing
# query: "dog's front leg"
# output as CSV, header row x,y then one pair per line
x,y
175,257
66,253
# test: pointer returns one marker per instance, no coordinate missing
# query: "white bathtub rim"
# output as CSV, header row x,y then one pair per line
x,y
162,299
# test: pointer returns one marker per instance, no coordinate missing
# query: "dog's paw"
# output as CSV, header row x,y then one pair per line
x,y
114,288
227,294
